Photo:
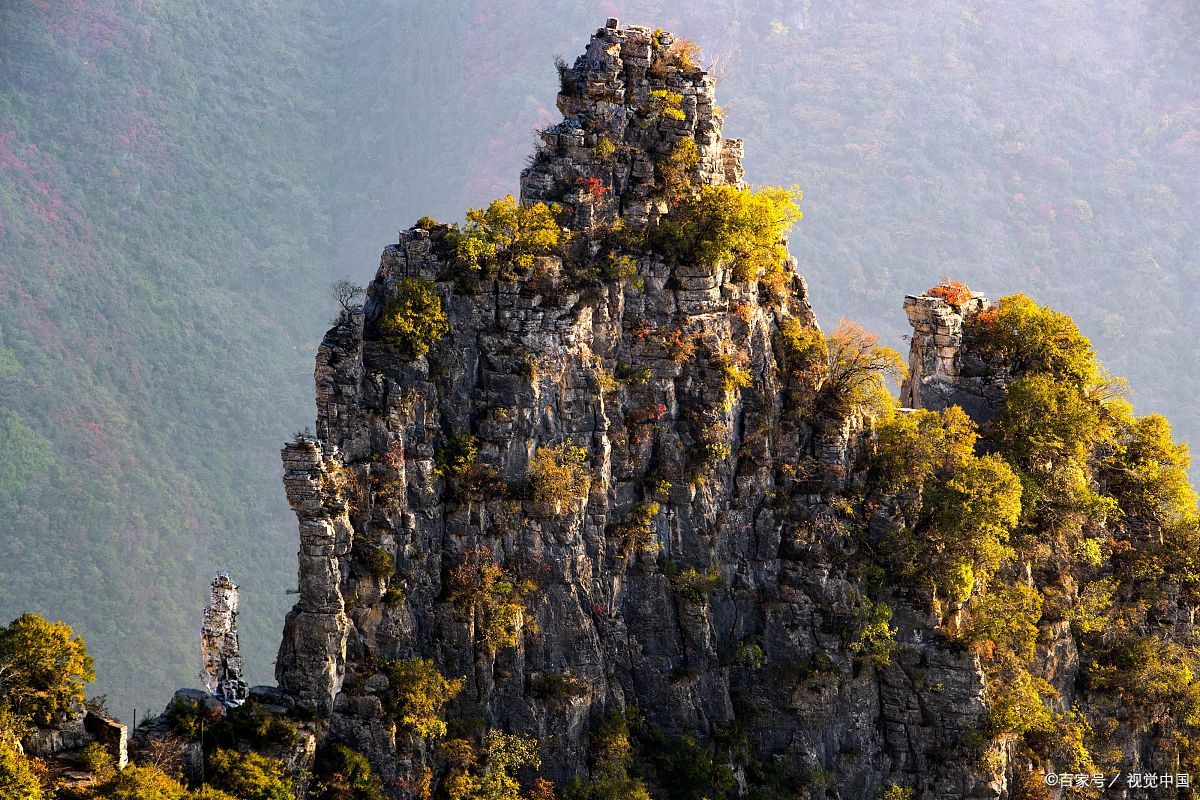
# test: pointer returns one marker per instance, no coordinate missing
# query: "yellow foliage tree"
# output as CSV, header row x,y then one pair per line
x,y
44,667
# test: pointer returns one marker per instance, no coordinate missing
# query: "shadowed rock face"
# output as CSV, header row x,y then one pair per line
x,y
743,480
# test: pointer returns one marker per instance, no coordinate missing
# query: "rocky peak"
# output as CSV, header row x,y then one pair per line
x,y
942,370
627,103
697,537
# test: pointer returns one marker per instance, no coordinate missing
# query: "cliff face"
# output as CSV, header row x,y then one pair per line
x,y
527,366
706,576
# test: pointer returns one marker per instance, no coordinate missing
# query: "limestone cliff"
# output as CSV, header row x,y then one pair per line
x,y
526,366
707,577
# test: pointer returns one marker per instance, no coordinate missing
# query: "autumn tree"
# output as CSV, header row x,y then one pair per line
x,y
1026,338
559,475
741,228
858,370
495,599
913,446
488,773
418,693
250,776
413,317
44,667
971,513
503,239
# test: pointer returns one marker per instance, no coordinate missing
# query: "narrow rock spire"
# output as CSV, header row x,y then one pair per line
x,y
219,644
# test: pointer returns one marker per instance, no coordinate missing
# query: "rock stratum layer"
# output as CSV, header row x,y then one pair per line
x,y
704,577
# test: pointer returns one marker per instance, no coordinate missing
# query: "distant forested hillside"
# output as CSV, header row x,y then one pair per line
x,y
161,284
179,181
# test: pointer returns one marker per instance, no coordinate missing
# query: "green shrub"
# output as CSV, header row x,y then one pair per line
x,y
1046,422
496,599
46,666
413,318
18,779
1019,706
611,757
667,104
458,462
186,718
1028,339
249,776
734,376
677,171
684,769
804,347
739,227
346,774
1146,471
146,782
1154,674
637,532
971,512
417,695
691,584
488,774
426,223
857,372
375,561
604,150
259,727
913,446
556,688
1003,625
871,637
504,238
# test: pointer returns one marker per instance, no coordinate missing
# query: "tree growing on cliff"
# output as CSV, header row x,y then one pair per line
x,y
18,779
857,372
495,598
741,228
250,776
413,318
418,693
488,773
559,475
44,667
972,513
1026,338
503,239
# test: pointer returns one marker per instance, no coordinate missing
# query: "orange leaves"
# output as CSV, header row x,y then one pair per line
x,y
953,292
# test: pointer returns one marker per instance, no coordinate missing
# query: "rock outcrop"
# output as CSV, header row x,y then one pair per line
x,y
219,647
704,578
942,370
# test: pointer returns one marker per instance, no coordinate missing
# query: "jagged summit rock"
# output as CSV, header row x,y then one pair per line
x,y
627,102
941,371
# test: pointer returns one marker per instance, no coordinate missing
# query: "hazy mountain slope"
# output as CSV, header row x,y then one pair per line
x,y
157,268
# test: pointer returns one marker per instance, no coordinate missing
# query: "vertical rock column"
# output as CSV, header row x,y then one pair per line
x,y
219,644
312,657
941,371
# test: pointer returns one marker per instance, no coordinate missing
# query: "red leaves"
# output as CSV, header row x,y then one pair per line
x,y
953,292
593,186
